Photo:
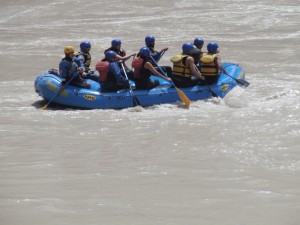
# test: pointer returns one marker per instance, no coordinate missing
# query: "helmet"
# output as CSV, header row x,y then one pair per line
x,y
109,55
187,48
69,49
212,47
84,46
198,42
145,52
149,40
116,42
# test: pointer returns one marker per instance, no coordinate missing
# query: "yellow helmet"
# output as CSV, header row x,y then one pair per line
x,y
69,49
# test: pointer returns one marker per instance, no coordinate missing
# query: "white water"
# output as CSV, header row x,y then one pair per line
x,y
233,161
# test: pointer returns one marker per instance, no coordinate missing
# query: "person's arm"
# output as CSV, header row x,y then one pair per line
x,y
116,71
218,62
163,50
63,71
150,67
120,58
191,63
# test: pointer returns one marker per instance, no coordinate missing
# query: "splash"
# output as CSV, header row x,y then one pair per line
x,y
136,109
236,98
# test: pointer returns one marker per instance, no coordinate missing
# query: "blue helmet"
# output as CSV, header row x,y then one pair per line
x,y
116,42
188,48
84,46
145,52
212,47
198,42
149,40
110,55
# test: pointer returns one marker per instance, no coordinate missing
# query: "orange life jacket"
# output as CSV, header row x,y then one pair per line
x,y
103,67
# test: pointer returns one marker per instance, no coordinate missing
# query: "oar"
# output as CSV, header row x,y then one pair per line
x,y
161,55
211,91
181,94
59,91
240,81
136,102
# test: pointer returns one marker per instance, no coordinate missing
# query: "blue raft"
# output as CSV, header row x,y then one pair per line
x,y
47,85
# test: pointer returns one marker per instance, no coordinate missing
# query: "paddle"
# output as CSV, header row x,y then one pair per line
x,y
181,94
161,55
59,91
136,102
211,91
240,81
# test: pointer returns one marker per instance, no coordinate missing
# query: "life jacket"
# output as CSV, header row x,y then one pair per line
x,y
208,66
137,65
179,69
102,67
87,59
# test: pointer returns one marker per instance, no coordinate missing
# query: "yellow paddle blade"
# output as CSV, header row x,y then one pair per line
x,y
44,107
183,97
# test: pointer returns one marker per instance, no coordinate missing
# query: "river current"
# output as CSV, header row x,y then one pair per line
x,y
232,161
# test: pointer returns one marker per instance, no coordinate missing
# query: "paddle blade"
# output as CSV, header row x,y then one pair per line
x,y
44,107
136,102
214,94
243,82
183,97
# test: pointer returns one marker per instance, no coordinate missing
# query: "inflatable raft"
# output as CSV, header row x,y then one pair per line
x,y
47,85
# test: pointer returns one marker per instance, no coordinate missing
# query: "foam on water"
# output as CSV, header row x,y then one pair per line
x,y
237,98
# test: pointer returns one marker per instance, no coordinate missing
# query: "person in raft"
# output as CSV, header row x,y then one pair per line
x,y
184,73
150,43
86,59
211,64
116,46
70,67
143,69
111,78
198,42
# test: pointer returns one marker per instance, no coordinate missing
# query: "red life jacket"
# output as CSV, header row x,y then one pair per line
x,y
103,67
121,52
137,64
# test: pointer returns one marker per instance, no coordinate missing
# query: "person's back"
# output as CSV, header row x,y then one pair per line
x,y
210,63
184,73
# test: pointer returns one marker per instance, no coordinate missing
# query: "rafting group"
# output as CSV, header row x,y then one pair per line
x,y
191,67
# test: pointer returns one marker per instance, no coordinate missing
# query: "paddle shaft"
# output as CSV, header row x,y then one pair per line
x,y
135,100
161,55
242,82
60,90
211,91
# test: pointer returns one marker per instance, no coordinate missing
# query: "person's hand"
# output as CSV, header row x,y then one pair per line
x,y
80,70
134,54
63,81
165,49
168,79
84,75
202,77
